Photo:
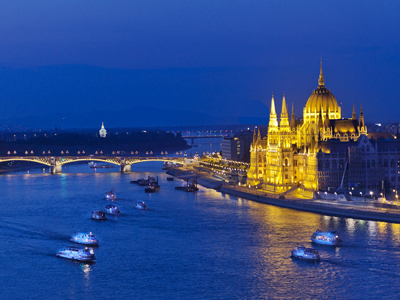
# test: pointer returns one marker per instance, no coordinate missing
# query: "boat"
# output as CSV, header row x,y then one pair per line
x,y
98,215
189,187
85,238
152,188
170,178
144,182
330,238
76,254
96,166
140,205
112,210
166,166
306,253
110,195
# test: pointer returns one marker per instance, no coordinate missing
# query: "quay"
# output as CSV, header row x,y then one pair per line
x,y
331,208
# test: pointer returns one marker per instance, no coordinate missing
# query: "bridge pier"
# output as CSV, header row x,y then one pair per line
x,y
125,168
54,169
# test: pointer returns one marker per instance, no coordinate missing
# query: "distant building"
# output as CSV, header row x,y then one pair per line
x,y
102,131
237,147
324,150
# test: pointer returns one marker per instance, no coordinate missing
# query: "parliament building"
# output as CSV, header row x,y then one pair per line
x,y
319,151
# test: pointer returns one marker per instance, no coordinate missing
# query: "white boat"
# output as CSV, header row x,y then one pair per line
x,y
110,195
330,238
85,238
306,253
112,209
98,215
76,254
140,205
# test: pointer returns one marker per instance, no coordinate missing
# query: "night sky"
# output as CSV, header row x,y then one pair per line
x,y
213,57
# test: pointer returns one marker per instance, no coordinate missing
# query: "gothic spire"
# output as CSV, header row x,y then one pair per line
x,y
320,124
292,121
326,122
255,136
284,114
354,117
362,124
321,80
273,122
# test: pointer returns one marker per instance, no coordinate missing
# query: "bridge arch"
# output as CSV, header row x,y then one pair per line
x,y
42,161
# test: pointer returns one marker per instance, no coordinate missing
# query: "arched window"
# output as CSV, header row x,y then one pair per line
x,y
373,164
334,165
327,165
385,163
392,163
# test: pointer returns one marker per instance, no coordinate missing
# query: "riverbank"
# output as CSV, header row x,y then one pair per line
x,y
330,208
348,209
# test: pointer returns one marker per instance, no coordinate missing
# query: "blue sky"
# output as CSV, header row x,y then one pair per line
x,y
276,44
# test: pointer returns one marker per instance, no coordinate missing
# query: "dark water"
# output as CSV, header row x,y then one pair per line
x,y
186,246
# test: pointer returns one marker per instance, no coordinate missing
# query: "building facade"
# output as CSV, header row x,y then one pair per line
x,y
237,147
289,155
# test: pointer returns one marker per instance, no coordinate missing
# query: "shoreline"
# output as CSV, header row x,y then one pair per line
x,y
324,207
347,211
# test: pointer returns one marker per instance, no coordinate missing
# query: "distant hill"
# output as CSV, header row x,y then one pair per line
x,y
75,96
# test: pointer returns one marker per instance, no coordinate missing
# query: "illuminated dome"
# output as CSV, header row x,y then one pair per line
x,y
322,101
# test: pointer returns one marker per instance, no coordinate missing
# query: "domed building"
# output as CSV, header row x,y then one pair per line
x,y
287,157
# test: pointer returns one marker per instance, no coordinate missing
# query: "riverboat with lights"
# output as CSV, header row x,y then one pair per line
x,y
98,215
306,253
112,209
140,205
330,238
110,195
76,254
85,239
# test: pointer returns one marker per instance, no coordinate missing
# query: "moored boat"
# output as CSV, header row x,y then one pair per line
x,y
140,205
152,188
96,166
85,238
98,215
110,195
112,209
330,238
187,188
76,254
306,253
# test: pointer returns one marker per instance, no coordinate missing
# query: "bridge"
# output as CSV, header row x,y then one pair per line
x,y
192,137
56,163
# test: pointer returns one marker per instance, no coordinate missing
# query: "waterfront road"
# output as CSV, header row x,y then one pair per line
x,y
330,208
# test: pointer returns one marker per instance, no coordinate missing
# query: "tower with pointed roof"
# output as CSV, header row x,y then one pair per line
x,y
102,131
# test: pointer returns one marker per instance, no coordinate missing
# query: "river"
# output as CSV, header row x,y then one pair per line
x,y
205,245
